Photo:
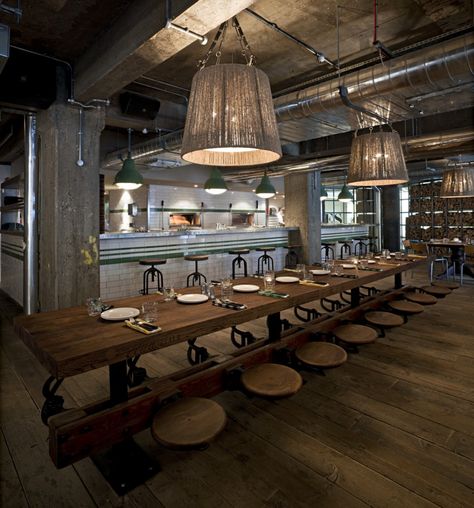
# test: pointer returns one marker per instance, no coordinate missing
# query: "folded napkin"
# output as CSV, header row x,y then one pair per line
x,y
345,276
381,263
273,294
229,305
142,327
415,256
312,283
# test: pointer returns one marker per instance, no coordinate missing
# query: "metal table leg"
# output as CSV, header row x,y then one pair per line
x,y
274,326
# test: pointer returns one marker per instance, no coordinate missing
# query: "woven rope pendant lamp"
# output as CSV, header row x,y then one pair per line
x,y
377,159
458,183
231,119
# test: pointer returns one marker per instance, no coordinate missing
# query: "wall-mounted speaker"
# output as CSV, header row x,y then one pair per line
x,y
139,105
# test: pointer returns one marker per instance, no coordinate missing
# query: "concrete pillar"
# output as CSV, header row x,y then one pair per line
x,y
68,221
391,218
303,210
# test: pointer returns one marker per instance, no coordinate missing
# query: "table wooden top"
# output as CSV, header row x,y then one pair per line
x,y
69,341
447,244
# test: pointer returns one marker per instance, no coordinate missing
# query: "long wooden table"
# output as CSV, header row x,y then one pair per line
x,y
69,341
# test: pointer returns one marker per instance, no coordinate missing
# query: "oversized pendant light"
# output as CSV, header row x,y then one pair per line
x,y
377,159
265,188
215,184
230,119
458,183
128,178
345,196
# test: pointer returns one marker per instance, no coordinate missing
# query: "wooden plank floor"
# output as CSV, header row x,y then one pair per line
x,y
392,427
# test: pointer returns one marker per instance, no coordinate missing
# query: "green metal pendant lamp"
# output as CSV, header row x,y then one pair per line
x,y
323,193
128,178
265,188
345,196
215,184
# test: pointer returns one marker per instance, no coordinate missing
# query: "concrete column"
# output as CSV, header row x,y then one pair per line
x,y
303,210
68,221
391,218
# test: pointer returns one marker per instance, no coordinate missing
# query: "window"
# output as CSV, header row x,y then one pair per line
x,y
334,211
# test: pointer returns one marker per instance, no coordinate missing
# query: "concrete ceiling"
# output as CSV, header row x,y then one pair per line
x,y
123,44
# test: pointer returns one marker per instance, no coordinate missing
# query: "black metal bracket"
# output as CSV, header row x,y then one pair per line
x,y
196,354
285,356
246,338
53,404
369,290
136,375
232,378
330,305
285,324
343,93
310,313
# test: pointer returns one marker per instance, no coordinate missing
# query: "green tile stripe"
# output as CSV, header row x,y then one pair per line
x,y
190,210
163,253
123,210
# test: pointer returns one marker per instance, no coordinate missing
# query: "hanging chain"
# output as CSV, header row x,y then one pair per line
x,y
246,51
219,49
221,31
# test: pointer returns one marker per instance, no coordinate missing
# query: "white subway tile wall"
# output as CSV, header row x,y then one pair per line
x,y
12,266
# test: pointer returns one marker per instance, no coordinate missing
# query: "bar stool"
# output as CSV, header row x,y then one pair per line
x,y
191,422
196,275
345,248
152,272
421,298
327,248
383,320
271,380
292,258
265,259
446,284
239,260
354,335
361,245
438,291
405,308
321,355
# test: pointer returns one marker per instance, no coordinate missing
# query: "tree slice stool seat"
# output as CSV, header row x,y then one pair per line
x,y
445,284
421,298
438,291
190,422
239,261
264,261
383,320
196,276
271,380
152,273
406,307
322,355
355,334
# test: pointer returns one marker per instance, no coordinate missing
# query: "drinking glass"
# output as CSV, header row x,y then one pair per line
x,y
226,289
269,280
386,254
150,311
94,306
169,294
363,263
338,270
301,270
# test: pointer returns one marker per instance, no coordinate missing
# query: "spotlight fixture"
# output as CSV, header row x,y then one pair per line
x,y
128,177
377,159
215,184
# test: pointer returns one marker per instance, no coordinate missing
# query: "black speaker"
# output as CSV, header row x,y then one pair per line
x,y
139,105
28,80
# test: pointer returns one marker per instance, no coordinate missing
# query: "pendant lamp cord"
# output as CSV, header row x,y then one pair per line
x,y
129,142
218,41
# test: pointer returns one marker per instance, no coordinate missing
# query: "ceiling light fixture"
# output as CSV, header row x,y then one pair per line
x,y
377,159
230,119
265,188
345,196
215,184
128,177
458,183
323,193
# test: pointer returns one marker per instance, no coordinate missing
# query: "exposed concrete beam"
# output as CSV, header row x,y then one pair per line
x,y
139,41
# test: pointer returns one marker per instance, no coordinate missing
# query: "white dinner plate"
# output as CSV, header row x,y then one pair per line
x,y
320,272
349,266
246,288
119,314
287,280
371,261
192,298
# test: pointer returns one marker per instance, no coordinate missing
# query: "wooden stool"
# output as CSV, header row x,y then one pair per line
x,y
345,248
196,275
322,355
438,291
265,259
152,272
292,258
445,284
421,298
383,320
271,380
327,248
361,245
405,308
239,260
354,335
190,422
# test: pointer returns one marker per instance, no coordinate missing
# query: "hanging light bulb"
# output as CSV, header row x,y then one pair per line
x,y
265,188
215,184
323,193
345,196
128,178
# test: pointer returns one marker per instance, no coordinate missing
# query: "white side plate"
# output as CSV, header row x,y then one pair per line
x,y
120,314
371,262
320,272
246,288
349,266
192,298
287,280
